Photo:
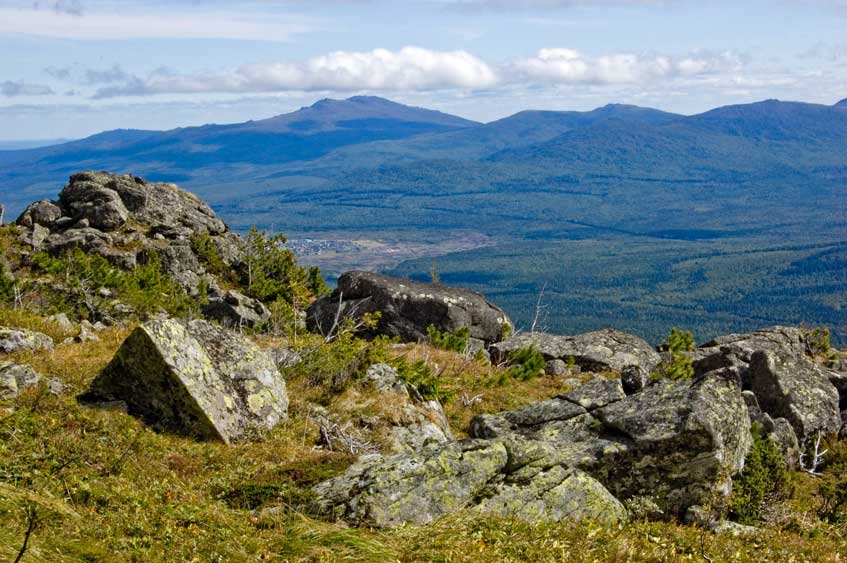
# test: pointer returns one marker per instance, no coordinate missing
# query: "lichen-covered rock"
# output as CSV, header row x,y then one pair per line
x,y
602,350
786,440
194,378
677,442
234,309
781,339
490,477
407,308
597,392
792,387
682,441
552,495
87,199
18,339
15,378
412,488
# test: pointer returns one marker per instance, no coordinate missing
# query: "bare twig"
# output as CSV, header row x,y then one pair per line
x,y
817,457
539,308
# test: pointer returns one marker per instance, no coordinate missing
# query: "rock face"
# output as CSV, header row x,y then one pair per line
x,y
18,339
602,350
123,219
407,308
793,388
790,388
194,378
574,456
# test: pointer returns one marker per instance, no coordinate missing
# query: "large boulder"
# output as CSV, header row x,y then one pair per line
x,y
680,442
601,350
781,339
43,212
793,387
407,308
677,442
18,340
194,378
90,200
736,350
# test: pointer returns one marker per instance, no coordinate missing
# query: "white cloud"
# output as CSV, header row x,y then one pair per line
x,y
18,88
415,69
557,65
408,69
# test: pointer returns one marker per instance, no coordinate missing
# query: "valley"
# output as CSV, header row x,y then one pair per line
x,y
627,216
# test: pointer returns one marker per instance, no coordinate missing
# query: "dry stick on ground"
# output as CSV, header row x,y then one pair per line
x,y
32,523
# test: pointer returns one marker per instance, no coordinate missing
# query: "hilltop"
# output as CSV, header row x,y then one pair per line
x,y
170,389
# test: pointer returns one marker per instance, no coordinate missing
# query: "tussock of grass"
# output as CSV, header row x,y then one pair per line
x,y
21,318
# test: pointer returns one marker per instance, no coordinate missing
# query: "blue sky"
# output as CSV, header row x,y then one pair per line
x,y
70,68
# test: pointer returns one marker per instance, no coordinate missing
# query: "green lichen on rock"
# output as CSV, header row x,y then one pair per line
x,y
555,494
412,488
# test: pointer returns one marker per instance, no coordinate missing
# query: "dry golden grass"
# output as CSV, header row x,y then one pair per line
x,y
474,385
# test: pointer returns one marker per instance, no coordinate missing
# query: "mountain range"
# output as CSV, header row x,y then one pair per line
x,y
621,216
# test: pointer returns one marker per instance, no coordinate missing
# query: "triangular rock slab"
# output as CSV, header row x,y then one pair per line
x,y
195,379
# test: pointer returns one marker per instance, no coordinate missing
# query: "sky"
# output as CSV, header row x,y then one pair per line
x,y
72,68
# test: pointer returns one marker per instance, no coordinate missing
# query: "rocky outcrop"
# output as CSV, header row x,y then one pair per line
x,y
571,457
442,479
777,366
18,339
602,350
124,219
194,378
235,310
407,308
678,442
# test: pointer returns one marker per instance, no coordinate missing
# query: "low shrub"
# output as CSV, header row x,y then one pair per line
x,y
451,341
526,364
764,480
